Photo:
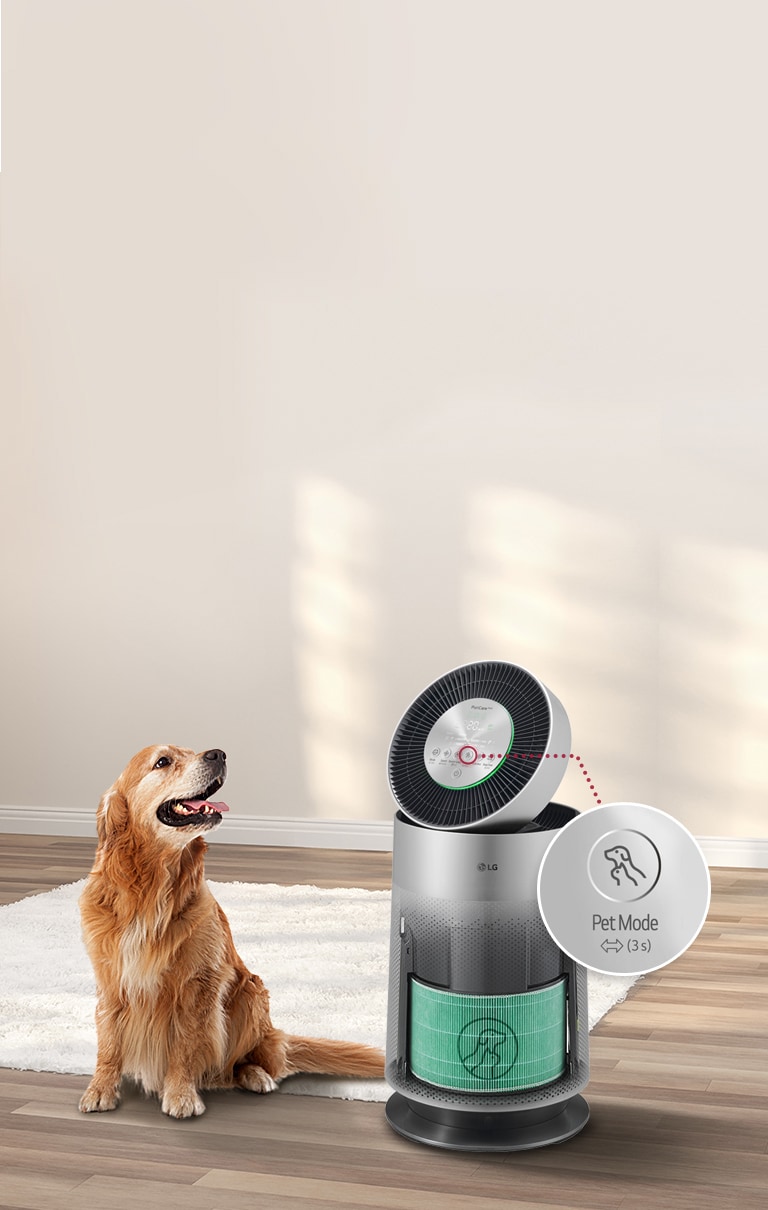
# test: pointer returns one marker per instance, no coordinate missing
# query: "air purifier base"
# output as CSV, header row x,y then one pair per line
x,y
468,1130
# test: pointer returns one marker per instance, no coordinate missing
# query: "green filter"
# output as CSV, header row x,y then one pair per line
x,y
487,1043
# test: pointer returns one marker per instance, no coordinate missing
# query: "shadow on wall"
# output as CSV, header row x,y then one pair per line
x,y
573,597
714,684
336,620
657,647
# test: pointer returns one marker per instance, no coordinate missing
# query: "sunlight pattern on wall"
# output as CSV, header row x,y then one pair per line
x,y
573,597
335,616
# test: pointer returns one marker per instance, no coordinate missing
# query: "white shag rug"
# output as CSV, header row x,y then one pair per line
x,y
323,954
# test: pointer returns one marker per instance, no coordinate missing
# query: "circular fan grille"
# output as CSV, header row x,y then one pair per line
x,y
425,800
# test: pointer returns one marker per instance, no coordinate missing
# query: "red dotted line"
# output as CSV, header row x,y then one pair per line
x,y
548,756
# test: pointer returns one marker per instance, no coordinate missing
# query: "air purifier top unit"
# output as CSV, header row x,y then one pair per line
x,y
482,748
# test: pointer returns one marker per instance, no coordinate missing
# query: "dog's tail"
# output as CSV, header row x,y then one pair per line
x,y
327,1057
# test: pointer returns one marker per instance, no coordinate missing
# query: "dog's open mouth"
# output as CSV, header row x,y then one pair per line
x,y
197,811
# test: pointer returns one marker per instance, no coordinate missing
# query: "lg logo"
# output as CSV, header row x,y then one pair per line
x,y
483,867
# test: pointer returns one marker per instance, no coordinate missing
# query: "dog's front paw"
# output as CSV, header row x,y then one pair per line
x,y
255,1078
182,1103
98,1099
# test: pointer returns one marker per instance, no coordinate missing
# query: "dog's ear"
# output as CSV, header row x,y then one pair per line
x,y
111,816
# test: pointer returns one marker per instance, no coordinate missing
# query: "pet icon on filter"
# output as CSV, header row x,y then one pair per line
x,y
487,1048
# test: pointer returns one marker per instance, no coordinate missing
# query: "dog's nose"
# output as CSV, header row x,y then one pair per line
x,y
215,754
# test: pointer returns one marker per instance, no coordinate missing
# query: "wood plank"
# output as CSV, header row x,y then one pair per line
x,y
343,1193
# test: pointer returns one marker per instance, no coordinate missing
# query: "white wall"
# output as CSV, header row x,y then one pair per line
x,y
344,342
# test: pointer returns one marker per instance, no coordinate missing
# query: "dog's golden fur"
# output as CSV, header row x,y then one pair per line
x,y
177,1009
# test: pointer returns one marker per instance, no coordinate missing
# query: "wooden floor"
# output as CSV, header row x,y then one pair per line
x,y
679,1094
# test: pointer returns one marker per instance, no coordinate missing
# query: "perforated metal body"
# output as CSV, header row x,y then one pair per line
x,y
475,930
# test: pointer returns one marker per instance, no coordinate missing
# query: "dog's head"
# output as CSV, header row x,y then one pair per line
x,y
163,792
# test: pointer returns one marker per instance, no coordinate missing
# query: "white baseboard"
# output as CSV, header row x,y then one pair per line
x,y
375,834
371,834
47,821
750,853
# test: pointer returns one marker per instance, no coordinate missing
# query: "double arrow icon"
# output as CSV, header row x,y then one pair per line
x,y
612,945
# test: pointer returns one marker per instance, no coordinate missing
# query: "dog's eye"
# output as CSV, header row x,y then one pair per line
x,y
162,762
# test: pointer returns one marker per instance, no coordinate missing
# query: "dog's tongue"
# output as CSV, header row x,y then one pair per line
x,y
198,803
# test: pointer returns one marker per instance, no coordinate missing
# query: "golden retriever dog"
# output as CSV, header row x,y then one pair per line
x,y
176,1007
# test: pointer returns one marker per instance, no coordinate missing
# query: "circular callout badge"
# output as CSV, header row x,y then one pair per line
x,y
624,889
